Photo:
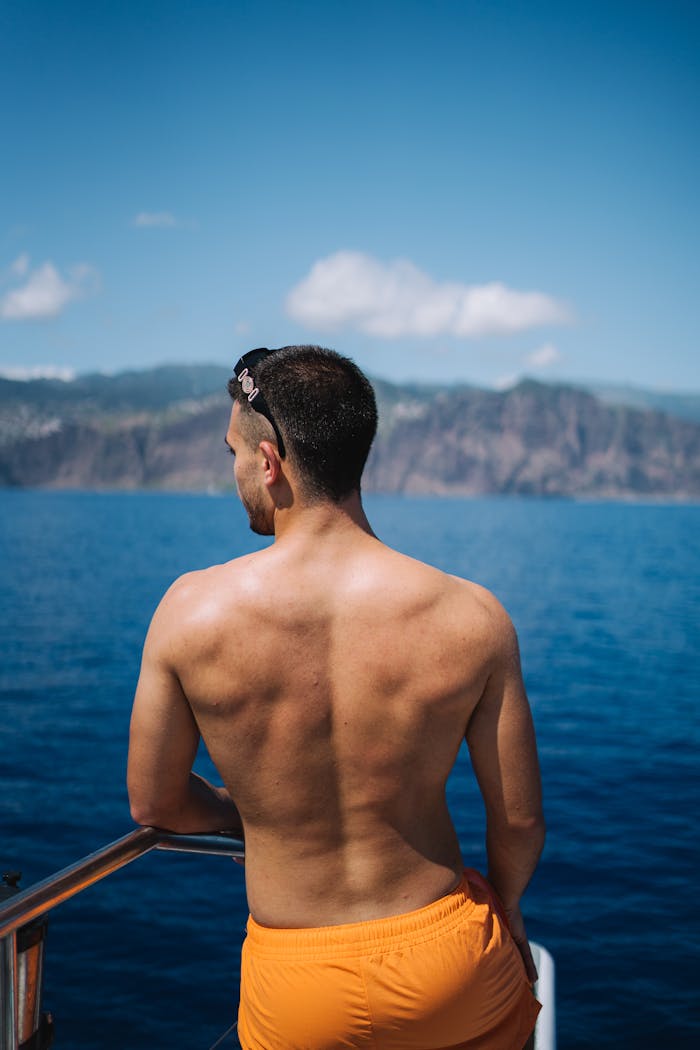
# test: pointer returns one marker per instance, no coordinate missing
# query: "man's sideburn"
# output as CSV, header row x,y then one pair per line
x,y
253,496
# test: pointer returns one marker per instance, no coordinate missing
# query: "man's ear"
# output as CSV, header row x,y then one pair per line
x,y
272,464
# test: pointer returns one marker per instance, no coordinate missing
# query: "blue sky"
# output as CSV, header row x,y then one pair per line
x,y
451,191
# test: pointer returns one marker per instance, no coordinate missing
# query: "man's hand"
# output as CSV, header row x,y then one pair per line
x,y
517,930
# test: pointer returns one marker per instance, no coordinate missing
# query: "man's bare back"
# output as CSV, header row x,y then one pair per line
x,y
333,681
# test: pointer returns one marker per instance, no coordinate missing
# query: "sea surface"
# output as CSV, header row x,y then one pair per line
x,y
606,600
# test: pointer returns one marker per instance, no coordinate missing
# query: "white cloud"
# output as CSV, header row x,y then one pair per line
x,y
25,372
45,293
544,357
396,299
155,218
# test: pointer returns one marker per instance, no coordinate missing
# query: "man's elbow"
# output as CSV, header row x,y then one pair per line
x,y
157,817
536,829
142,814
149,811
530,829
531,824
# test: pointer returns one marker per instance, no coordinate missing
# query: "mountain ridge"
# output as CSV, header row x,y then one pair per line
x,y
163,428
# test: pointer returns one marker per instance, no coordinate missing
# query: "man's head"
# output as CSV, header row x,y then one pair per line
x,y
318,409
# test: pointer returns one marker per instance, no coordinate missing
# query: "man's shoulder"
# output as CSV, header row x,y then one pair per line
x,y
201,597
456,588
499,634
489,624
460,598
200,582
481,598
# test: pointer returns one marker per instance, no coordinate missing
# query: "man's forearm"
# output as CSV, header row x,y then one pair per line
x,y
213,806
203,808
512,858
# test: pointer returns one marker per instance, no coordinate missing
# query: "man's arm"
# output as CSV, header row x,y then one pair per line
x,y
163,739
503,751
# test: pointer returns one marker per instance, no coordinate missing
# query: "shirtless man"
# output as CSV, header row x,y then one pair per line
x,y
333,680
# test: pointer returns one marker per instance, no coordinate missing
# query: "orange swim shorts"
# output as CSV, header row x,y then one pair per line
x,y
444,977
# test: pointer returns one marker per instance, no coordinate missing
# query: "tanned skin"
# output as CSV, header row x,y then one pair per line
x,y
333,681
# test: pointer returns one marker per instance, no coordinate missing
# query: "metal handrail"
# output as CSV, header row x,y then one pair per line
x,y
41,898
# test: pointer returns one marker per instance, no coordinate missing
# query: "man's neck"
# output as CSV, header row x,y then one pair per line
x,y
320,518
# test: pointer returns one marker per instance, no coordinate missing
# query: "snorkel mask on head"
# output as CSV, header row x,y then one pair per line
x,y
256,400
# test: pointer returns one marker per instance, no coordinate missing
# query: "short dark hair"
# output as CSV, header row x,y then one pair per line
x,y
325,409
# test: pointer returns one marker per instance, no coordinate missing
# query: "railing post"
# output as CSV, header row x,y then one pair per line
x,y
9,1007
25,907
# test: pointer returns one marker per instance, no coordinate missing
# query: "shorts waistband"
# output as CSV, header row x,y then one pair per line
x,y
365,938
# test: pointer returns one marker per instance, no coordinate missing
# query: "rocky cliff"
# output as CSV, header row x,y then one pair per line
x,y
164,429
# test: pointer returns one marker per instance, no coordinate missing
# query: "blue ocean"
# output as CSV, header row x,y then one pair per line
x,y
606,600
